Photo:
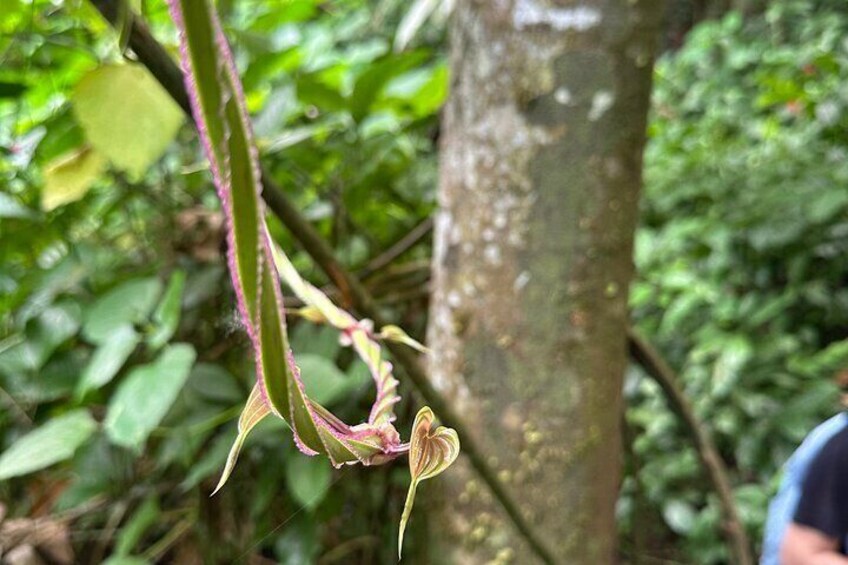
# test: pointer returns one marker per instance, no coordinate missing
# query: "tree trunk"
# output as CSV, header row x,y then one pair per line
x,y
538,197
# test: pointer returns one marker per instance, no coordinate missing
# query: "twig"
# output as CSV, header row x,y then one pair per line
x,y
407,242
652,362
159,63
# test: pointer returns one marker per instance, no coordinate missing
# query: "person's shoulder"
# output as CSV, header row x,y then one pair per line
x,y
835,450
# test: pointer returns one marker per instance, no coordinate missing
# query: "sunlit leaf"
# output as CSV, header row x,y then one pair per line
x,y
55,441
127,116
68,178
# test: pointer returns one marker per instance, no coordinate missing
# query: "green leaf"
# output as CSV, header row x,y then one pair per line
x,y
167,314
679,515
254,412
214,384
68,178
11,89
108,359
325,383
129,303
308,479
55,441
43,336
145,516
145,395
127,116
126,560
374,79
11,208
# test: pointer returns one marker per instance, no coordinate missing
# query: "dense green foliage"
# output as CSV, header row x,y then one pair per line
x,y
115,293
115,298
741,254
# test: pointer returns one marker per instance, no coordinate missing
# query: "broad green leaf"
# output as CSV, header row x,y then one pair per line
x,y
29,352
214,384
127,116
308,479
325,383
55,441
167,315
374,79
315,339
128,303
108,359
145,395
430,453
68,178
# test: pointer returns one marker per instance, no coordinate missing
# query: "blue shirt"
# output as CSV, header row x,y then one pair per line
x,y
785,503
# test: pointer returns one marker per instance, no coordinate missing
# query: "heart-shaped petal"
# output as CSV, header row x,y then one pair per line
x,y
430,453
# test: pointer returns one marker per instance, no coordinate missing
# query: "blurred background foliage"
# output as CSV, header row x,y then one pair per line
x,y
122,366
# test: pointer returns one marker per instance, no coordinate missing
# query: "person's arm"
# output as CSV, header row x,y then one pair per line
x,y
820,523
803,545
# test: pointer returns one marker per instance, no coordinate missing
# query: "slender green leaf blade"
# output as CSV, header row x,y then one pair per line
x,y
167,314
254,412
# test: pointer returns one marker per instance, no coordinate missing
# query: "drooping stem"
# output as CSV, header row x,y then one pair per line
x,y
153,56
652,362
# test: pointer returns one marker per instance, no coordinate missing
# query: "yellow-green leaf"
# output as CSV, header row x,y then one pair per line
x,y
254,412
68,178
395,333
127,116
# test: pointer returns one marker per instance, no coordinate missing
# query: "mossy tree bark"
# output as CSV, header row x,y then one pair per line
x,y
539,186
